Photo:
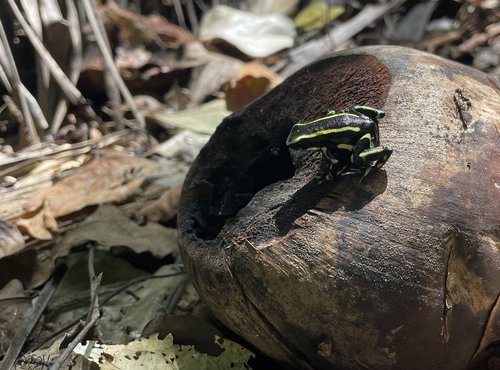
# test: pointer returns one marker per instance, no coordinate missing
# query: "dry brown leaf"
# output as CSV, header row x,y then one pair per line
x,y
14,302
245,91
137,29
110,227
32,266
35,170
49,169
48,354
124,315
40,224
258,69
253,80
164,209
112,177
11,240
209,78
141,69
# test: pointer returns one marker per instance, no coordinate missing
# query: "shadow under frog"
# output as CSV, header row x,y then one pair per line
x,y
329,196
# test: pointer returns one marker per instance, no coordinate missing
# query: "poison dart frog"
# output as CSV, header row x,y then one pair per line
x,y
349,139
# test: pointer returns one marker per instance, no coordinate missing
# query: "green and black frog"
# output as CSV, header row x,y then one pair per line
x,y
349,139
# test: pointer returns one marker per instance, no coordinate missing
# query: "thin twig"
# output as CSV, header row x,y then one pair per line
x,y
138,280
95,284
9,66
72,93
112,90
103,43
113,99
32,317
193,18
62,359
52,151
74,64
176,295
35,109
92,317
3,74
107,296
106,292
306,53
179,14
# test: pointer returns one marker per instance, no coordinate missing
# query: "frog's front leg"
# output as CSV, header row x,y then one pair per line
x,y
365,155
379,155
372,113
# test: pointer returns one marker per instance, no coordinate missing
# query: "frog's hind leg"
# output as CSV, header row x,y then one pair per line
x,y
361,146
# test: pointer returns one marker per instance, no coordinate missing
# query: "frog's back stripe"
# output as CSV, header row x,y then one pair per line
x,y
325,118
325,132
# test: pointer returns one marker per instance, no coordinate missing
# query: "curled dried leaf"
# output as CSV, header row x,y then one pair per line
x,y
11,240
164,209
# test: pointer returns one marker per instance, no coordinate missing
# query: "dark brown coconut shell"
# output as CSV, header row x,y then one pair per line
x,y
398,272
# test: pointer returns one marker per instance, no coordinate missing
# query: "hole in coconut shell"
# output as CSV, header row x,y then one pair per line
x,y
248,152
266,170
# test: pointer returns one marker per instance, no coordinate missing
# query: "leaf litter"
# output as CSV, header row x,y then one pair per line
x,y
92,165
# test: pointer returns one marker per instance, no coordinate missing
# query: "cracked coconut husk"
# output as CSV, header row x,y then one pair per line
x,y
400,271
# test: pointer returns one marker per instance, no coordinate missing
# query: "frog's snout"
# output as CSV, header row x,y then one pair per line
x,y
293,138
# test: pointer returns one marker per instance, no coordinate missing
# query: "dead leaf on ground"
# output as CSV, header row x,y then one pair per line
x,y
110,227
253,80
131,310
284,7
146,72
47,355
316,15
186,329
164,209
11,240
209,78
50,168
138,29
153,353
183,146
36,169
245,91
258,69
14,303
71,300
111,177
32,266
254,35
204,118
143,71
39,224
